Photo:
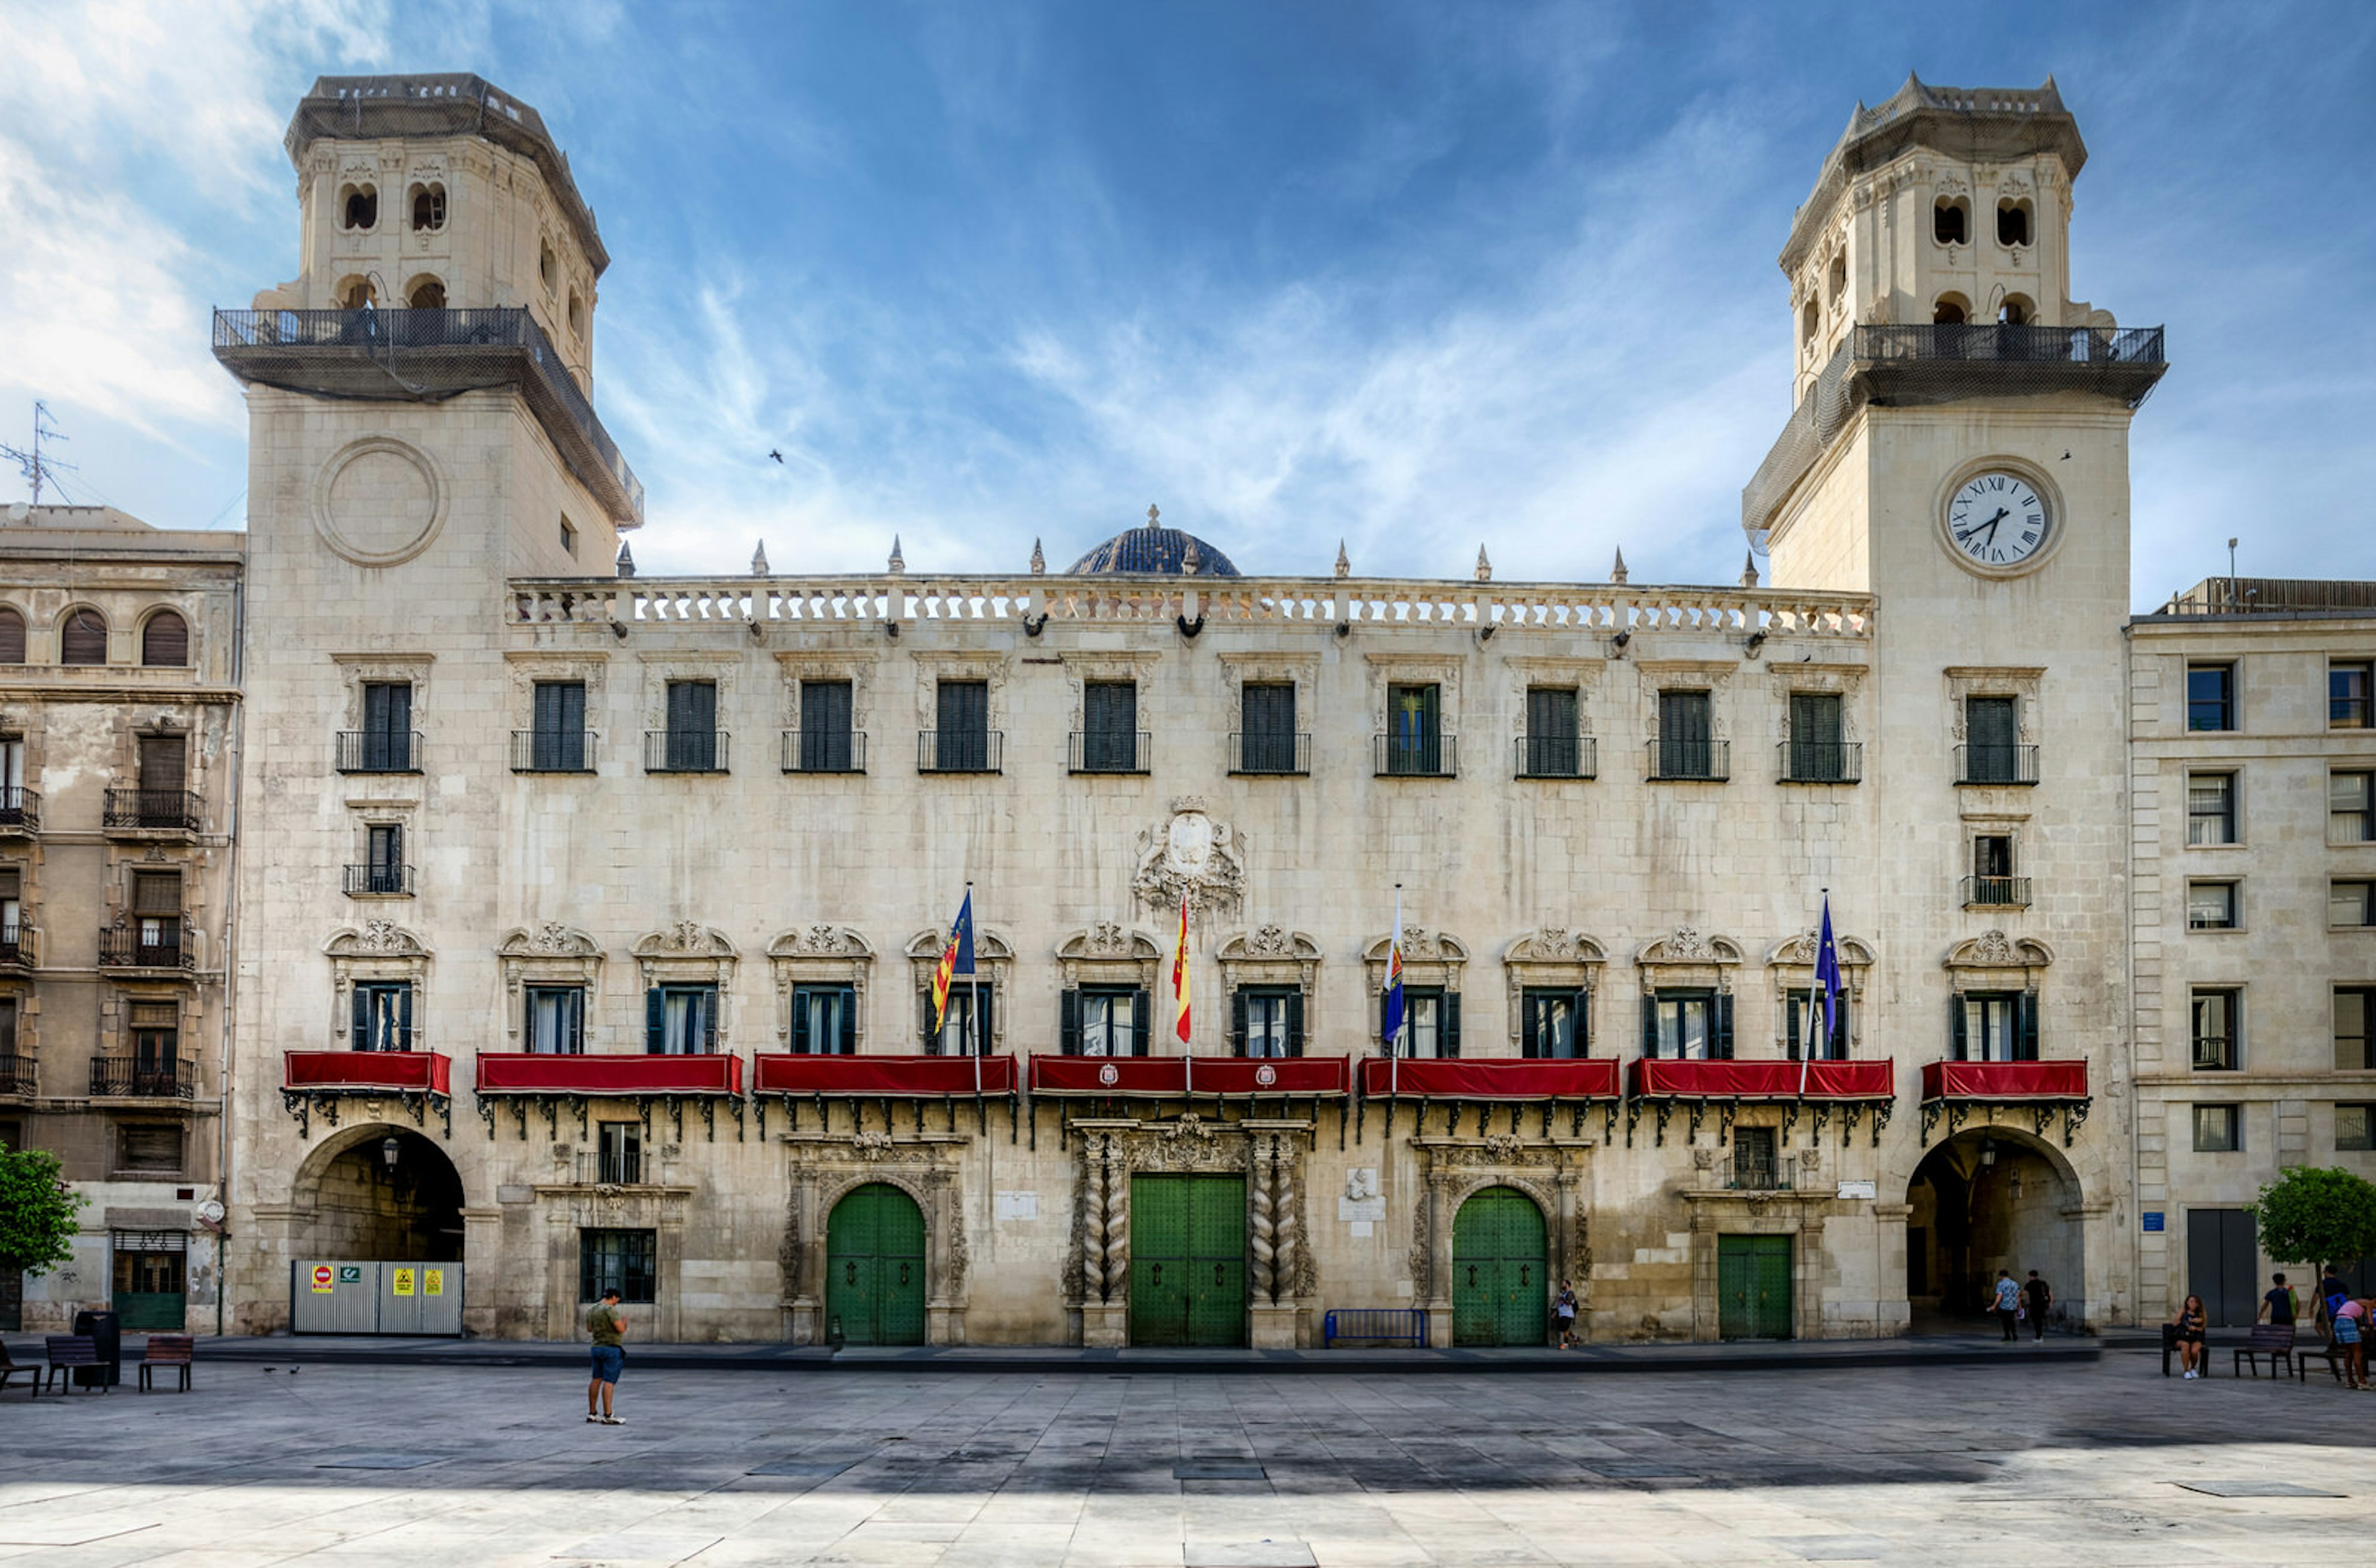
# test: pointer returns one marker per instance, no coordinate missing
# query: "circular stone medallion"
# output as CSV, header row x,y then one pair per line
x,y
378,501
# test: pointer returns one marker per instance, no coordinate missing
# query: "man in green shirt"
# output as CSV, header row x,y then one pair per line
x,y
610,1332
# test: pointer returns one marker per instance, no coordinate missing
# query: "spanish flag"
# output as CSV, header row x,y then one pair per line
x,y
956,959
1179,976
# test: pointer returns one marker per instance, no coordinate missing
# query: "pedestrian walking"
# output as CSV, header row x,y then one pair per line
x,y
1563,1309
2008,1304
2278,1308
2191,1320
2351,1339
2037,1296
610,1334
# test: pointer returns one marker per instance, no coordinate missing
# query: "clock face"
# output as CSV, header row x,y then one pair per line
x,y
1998,519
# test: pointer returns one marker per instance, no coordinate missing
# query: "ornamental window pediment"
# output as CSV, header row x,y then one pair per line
x,y
993,960
379,975
1109,954
820,957
550,955
1993,961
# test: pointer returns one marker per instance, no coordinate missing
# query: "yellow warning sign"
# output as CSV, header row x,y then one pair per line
x,y
433,1282
403,1285
321,1285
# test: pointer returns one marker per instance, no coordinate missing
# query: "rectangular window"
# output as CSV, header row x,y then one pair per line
x,y
1109,1021
2217,1129
148,1149
619,1153
2210,905
383,1017
1686,735
1552,744
2351,903
681,1020
624,1261
8,1028
1266,739
2354,1127
2214,1030
1269,1021
1993,740
1755,1167
155,1045
1802,1020
1426,1012
2355,1011
2211,696
2210,809
825,744
1109,726
692,727
1692,1026
557,733
1414,731
2351,808
1818,752
2347,696
1995,1025
957,1035
1553,1022
569,530
556,1019
824,1021
383,858
12,907
157,918
962,741
387,727
164,770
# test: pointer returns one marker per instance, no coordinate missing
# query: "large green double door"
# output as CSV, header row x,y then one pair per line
x,y
875,1267
1188,1260
1501,1294
1752,1287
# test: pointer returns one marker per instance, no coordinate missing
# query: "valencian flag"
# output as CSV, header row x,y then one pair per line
x,y
1390,1022
1824,999
956,959
1179,976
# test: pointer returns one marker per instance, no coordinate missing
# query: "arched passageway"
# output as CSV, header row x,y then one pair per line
x,y
380,1193
1986,1199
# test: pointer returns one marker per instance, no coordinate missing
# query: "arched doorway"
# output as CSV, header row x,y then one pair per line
x,y
874,1268
1986,1199
1499,1270
381,1193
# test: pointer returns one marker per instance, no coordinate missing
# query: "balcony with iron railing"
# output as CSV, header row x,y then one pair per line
x,y
1275,754
1107,750
1996,892
20,946
961,751
127,1077
426,356
20,810
1996,764
18,1077
1414,757
609,1167
825,751
1683,761
148,944
1557,756
1822,761
379,751
374,879
145,812
552,750
685,751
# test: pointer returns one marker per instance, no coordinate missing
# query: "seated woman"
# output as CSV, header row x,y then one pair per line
x,y
2192,1321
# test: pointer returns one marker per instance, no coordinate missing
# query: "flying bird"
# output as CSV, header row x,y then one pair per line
x,y
778,456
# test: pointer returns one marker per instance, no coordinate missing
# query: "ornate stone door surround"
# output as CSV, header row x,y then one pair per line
x,y
1281,1277
825,1167
1549,1170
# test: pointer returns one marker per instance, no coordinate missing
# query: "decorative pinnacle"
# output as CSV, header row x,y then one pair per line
x,y
759,560
1617,572
1749,570
1039,560
1190,558
1344,561
1484,568
899,561
1153,516
627,567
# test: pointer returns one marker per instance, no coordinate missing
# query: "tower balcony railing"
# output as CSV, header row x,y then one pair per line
x,y
2001,342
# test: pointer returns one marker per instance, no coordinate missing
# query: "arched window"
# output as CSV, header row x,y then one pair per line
x,y
428,207
1951,311
428,293
1951,221
359,207
2013,222
83,638
165,641
547,266
577,317
2014,312
1808,322
12,636
1839,279
357,293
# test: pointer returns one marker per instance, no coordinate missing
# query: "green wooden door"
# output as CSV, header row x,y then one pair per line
x,y
148,1294
1752,1285
875,1267
1501,1287
1188,1260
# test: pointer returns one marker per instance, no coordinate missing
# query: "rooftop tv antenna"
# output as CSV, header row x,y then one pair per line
x,y
39,468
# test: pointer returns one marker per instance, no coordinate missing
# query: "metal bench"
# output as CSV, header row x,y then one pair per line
x,y
66,1353
167,1350
9,1369
2274,1341
1388,1325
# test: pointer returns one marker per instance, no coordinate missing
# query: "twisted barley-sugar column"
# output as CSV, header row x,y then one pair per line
x,y
1265,1280
1289,1234
1117,1248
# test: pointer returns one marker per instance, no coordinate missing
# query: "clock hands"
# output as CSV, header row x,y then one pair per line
x,y
1991,525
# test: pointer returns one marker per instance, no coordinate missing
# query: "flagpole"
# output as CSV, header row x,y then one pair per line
x,y
973,998
1395,1046
1814,982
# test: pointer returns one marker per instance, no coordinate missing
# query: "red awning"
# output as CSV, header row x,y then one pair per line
x,y
367,1072
1302,1076
1507,1078
930,1076
1762,1080
2006,1081
511,1073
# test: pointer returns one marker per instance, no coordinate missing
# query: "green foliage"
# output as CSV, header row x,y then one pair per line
x,y
2313,1217
37,1212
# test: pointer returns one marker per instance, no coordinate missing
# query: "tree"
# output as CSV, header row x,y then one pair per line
x,y
37,1212
2314,1217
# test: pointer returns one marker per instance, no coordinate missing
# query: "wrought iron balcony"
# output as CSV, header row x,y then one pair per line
x,y
685,751
132,1078
425,356
153,810
1822,761
961,751
1996,764
20,946
1107,750
1690,762
379,751
552,750
1414,757
1557,756
18,1078
20,810
161,945
375,880
1996,892
825,751
1268,752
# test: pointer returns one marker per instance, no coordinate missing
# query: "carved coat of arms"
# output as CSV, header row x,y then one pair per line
x,y
1193,856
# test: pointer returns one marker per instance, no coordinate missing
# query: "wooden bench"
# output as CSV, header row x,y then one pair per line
x,y
1389,1325
2274,1341
67,1353
167,1350
9,1369
2327,1350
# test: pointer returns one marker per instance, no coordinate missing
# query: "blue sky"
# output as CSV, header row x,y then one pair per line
x,y
1414,276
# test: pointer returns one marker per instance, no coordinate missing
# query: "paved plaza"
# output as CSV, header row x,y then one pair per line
x,y
434,1466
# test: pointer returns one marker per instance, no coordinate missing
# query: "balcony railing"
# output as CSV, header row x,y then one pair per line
x,y
20,810
1513,1079
1414,757
139,1079
1557,756
1690,762
425,354
20,946
1244,1077
379,751
1997,343
367,1071
685,751
871,1077
1269,753
372,880
961,751
611,1168
1107,750
1753,1175
1996,892
520,1073
171,811
1668,1078
1822,761
17,1077
1996,764
552,750
825,751
164,946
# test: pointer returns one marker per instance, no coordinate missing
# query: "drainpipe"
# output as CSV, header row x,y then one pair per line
x,y
230,944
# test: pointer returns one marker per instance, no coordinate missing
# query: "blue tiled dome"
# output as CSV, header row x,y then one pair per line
x,y
1156,549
